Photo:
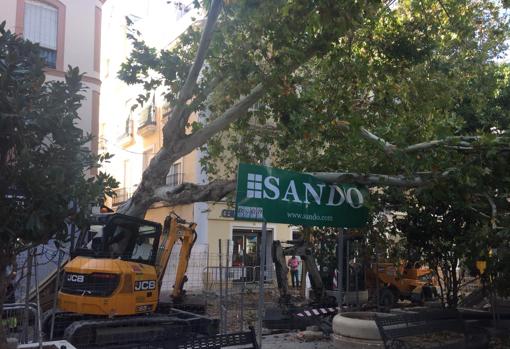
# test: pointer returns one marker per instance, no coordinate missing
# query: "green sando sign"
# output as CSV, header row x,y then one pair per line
x,y
280,196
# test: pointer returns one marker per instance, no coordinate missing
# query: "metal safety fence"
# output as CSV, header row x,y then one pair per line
x,y
21,321
227,287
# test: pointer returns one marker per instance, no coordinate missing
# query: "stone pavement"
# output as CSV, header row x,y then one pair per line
x,y
291,341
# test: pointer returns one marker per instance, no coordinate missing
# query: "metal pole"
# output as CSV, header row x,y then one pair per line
x,y
226,286
356,271
243,280
340,264
207,277
57,286
347,267
27,295
39,329
72,233
260,310
221,288
376,276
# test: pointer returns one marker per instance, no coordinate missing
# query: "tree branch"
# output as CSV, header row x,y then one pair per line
x,y
371,179
454,142
263,129
176,122
188,193
494,210
201,97
232,114
387,147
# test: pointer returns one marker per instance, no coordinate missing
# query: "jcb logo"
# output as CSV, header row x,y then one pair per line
x,y
145,285
75,278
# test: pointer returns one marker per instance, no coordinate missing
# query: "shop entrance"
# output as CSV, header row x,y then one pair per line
x,y
245,254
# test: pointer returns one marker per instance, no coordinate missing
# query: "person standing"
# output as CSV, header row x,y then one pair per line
x,y
293,264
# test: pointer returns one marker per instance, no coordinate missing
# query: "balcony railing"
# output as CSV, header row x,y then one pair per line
x,y
122,196
127,138
147,121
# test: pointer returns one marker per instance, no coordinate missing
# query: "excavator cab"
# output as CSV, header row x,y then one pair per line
x,y
122,237
113,270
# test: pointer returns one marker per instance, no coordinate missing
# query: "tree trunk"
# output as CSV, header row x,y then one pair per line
x,y
440,283
455,285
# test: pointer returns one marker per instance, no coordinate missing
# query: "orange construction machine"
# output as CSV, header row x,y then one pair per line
x,y
408,281
111,286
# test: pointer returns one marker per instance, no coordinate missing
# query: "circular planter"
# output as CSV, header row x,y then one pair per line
x,y
357,330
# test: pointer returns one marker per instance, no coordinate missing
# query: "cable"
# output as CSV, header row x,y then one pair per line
x,y
126,150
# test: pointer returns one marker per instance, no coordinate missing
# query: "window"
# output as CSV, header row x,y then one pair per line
x,y
174,176
41,26
144,249
297,235
124,238
246,246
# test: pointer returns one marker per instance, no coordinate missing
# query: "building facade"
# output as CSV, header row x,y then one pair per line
x,y
69,33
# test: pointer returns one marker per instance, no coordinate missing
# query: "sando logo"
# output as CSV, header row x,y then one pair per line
x,y
268,187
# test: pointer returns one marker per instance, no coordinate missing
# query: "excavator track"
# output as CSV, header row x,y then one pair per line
x,y
165,329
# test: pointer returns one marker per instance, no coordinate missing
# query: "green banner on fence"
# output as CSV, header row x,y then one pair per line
x,y
279,196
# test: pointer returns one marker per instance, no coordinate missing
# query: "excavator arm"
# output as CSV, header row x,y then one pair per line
x,y
174,229
188,237
281,270
302,249
166,244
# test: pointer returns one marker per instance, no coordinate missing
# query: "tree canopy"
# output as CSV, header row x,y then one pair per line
x,y
249,50
408,94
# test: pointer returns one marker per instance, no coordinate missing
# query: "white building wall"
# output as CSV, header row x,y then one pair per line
x,y
156,20
79,41
8,13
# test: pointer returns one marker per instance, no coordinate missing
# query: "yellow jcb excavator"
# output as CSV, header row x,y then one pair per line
x,y
111,286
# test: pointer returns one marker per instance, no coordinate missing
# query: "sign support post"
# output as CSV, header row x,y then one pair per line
x,y
340,267
263,252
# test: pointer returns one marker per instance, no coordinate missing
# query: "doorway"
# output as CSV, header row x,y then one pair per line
x,y
246,253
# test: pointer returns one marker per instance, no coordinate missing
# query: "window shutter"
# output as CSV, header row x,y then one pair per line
x,y
41,23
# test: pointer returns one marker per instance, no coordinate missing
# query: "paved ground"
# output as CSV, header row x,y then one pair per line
x,y
290,341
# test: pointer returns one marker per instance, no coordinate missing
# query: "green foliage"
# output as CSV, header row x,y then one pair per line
x,y
255,41
43,154
411,73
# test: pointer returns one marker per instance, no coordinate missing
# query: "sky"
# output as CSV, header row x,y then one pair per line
x,y
159,18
